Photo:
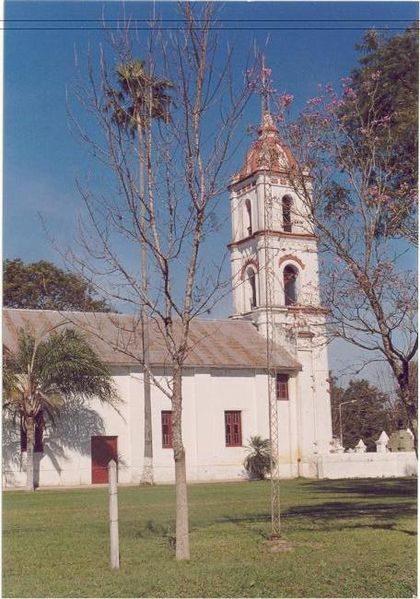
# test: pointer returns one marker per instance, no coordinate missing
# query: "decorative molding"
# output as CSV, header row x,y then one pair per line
x,y
293,259
250,262
306,334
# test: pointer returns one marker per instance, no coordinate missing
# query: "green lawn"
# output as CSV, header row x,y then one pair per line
x,y
349,539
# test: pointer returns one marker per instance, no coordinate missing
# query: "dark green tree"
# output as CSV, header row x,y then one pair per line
x,y
392,62
44,286
365,415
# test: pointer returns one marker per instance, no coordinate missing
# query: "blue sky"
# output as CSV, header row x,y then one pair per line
x,y
42,159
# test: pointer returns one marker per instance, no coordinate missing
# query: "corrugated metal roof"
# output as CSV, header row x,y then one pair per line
x,y
117,338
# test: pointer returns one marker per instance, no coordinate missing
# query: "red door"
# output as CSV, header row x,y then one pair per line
x,y
103,450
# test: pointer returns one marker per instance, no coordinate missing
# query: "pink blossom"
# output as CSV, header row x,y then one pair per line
x,y
265,73
314,101
285,100
375,75
349,93
278,118
334,105
330,90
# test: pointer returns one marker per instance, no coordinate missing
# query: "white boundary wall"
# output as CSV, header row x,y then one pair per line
x,y
367,465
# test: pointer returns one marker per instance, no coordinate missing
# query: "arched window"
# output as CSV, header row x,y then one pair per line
x,y
252,287
249,216
290,275
287,214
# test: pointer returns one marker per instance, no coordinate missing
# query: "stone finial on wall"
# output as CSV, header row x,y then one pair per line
x,y
360,447
382,442
335,446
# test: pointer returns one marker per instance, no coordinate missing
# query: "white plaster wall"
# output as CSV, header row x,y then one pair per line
x,y
322,396
67,452
207,395
307,404
234,210
367,465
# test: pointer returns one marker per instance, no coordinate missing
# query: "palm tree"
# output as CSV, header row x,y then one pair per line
x,y
140,99
259,461
43,373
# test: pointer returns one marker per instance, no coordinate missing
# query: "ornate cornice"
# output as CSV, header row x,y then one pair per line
x,y
298,308
278,234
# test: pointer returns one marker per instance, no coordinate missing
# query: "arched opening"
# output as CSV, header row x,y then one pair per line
x,y
287,214
290,275
252,292
249,217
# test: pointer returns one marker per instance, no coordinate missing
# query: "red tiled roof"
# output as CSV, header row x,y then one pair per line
x,y
268,152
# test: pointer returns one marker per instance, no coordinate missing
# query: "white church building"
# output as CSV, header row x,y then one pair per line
x,y
225,378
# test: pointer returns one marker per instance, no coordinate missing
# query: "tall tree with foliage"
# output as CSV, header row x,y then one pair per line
x,y
139,99
394,62
365,415
345,179
44,286
187,172
44,372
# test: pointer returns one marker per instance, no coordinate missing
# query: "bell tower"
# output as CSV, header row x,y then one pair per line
x,y
284,250
265,177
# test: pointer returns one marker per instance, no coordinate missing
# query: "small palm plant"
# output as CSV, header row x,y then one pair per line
x,y
259,461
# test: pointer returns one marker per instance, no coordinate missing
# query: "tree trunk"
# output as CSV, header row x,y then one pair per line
x,y
182,551
30,440
147,475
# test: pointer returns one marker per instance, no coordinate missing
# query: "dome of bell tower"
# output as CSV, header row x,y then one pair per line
x,y
267,153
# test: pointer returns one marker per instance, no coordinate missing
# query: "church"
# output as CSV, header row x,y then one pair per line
x,y
225,377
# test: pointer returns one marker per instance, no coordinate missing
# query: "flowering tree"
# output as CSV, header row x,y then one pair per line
x,y
395,61
346,179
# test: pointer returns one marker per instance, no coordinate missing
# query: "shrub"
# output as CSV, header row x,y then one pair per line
x,y
259,459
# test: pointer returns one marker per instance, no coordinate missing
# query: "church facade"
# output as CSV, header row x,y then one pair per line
x,y
225,378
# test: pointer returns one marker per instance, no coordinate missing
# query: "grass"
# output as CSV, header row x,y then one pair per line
x,y
349,539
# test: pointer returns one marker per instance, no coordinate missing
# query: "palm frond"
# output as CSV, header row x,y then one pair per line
x,y
42,374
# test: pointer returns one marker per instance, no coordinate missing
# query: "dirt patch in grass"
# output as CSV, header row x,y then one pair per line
x,y
278,545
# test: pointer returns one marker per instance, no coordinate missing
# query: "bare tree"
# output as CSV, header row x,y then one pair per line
x,y
173,212
342,178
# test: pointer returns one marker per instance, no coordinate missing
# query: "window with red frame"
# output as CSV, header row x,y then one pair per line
x,y
39,432
166,429
233,429
282,386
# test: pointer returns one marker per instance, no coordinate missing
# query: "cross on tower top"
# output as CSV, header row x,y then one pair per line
x,y
266,90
